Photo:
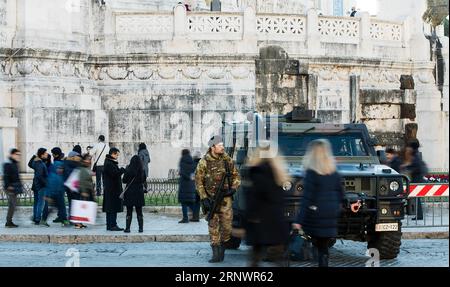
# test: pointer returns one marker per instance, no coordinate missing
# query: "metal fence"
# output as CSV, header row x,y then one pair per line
x,y
160,192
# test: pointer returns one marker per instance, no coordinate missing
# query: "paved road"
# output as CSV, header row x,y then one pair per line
x,y
418,253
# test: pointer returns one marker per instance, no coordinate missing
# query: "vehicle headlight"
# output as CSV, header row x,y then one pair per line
x,y
394,186
287,185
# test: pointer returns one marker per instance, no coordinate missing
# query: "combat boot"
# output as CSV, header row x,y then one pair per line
x,y
216,254
141,223
222,252
128,224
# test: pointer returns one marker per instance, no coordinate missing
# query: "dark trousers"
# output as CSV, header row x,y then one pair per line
x,y
58,201
194,206
12,202
111,220
99,180
322,244
138,211
416,206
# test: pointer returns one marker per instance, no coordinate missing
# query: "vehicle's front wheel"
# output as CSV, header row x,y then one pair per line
x,y
388,243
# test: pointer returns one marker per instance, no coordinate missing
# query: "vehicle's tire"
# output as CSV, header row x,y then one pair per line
x,y
233,243
388,243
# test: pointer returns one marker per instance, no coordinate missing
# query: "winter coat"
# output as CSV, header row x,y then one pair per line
x,y
265,222
416,170
112,185
145,158
55,187
40,174
186,189
70,163
396,163
134,190
320,205
11,176
86,188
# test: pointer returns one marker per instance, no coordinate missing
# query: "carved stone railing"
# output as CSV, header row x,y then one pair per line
x,y
155,26
385,30
315,33
281,27
213,25
339,29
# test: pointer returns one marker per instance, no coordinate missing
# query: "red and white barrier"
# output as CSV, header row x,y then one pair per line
x,y
424,190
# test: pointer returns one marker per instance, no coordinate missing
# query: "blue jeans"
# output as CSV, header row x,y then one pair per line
x,y
99,180
60,205
39,205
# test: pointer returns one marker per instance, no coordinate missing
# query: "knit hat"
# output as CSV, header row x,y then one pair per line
x,y
215,140
41,151
56,151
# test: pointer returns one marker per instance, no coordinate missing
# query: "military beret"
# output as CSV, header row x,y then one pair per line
x,y
215,140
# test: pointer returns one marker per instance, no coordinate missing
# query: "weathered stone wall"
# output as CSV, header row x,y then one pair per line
x,y
68,74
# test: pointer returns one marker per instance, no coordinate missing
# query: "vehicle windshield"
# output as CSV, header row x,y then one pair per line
x,y
343,144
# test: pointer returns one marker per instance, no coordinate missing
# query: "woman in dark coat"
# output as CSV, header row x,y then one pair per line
x,y
134,177
112,183
321,202
265,222
186,191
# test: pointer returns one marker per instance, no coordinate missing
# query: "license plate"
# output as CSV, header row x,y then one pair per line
x,y
386,227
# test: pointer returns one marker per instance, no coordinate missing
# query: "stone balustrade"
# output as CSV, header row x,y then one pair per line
x,y
316,34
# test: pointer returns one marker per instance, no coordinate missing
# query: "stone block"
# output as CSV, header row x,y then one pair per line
x,y
385,111
406,82
408,111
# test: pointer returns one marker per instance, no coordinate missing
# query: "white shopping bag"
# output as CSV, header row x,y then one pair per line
x,y
83,211
73,181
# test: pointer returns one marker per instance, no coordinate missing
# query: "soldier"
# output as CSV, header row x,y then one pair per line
x,y
209,173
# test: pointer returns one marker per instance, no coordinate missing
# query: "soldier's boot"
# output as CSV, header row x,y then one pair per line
x,y
128,224
141,223
323,260
215,254
222,252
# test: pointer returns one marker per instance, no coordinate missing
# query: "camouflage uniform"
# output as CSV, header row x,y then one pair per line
x,y
208,175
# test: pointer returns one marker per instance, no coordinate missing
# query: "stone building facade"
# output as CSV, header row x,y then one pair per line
x,y
149,71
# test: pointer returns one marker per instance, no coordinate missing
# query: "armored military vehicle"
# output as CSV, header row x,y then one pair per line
x,y
379,188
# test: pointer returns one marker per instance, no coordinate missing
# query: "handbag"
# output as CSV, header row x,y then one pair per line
x,y
73,181
94,168
301,247
122,195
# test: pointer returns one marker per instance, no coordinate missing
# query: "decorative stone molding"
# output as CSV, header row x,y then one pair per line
x,y
383,30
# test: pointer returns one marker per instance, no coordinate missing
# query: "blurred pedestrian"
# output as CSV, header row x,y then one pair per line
x,y
112,177
394,160
99,152
186,189
12,184
57,154
215,165
321,202
54,194
415,168
353,12
86,189
71,163
144,155
265,222
38,164
134,177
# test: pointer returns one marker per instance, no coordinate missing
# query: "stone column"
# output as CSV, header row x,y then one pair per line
x,y
249,43
312,33
180,22
365,44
